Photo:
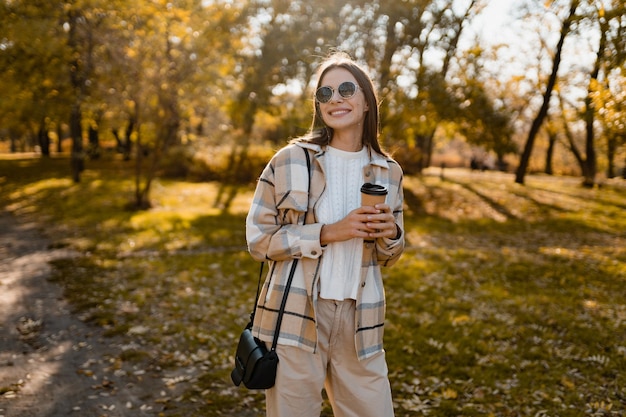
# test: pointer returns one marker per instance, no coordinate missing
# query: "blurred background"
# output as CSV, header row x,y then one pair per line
x,y
208,89
508,301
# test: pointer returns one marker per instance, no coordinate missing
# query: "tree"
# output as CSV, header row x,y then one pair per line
x,y
157,55
289,33
154,75
414,30
609,99
552,131
33,82
483,124
155,64
80,41
607,96
520,173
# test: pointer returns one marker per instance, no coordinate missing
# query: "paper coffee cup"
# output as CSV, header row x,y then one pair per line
x,y
372,194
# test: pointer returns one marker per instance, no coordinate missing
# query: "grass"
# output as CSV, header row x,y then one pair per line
x,y
509,300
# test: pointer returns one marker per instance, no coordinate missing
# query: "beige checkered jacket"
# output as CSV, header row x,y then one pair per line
x,y
276,234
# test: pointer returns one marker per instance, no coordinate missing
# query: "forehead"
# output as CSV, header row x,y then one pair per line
x,y
336,76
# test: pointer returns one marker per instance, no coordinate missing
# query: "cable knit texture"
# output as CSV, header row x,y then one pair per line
x,y
341,263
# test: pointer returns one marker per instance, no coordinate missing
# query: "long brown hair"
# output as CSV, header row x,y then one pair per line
x,y
319,132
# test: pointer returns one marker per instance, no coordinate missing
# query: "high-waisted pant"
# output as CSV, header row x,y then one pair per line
x,y
354,388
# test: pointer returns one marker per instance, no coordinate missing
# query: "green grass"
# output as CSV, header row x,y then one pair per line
x,y
509,300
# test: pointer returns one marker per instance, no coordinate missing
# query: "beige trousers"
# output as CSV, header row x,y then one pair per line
x,y
355,388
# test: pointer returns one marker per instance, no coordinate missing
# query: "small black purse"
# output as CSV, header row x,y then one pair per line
x,y
255,365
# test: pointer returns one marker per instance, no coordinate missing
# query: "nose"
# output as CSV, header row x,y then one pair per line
x,y
336,93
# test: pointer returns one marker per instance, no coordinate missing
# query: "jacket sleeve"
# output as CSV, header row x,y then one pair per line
x,y
274,225
389,250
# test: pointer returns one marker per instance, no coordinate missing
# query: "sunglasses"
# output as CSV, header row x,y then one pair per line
x,y
346,89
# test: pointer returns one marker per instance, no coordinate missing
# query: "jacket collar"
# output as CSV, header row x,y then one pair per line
x,y
375,158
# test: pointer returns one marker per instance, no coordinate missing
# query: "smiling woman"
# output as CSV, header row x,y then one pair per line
x,y
307,208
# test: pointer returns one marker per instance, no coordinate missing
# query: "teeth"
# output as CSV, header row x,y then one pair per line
x,y
334,113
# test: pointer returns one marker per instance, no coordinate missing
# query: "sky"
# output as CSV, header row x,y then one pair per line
x,y
497,24
495,19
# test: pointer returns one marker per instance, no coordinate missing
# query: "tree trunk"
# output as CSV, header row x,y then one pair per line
x,y
552,136
128,143
611,149
94,143
421,143
590,109
543,111
77,74
59,138
140,194
167,137
43,137
77,158
391,44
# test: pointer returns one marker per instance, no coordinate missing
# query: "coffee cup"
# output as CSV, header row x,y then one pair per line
x,y
372,194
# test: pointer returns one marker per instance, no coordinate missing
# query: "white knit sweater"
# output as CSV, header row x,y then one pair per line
x,y
341,262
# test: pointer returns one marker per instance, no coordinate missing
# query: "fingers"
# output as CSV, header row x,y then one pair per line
x,y
351,226
383,229
364,222
382,223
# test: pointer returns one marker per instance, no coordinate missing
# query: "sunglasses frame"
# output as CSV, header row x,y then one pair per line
x,y
332,91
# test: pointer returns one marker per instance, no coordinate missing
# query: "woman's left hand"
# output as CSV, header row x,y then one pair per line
x,y
382,223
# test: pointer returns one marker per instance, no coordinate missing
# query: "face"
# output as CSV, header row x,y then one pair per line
x,y
342,113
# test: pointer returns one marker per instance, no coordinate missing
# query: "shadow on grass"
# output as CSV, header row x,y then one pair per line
x,y
500,208
91,215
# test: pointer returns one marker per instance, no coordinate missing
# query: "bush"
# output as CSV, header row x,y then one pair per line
x,y
218,163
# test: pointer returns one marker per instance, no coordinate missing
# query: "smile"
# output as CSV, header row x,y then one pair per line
x,y
339,112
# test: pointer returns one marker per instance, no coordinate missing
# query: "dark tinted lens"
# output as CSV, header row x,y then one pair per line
x,y
324,94
347,89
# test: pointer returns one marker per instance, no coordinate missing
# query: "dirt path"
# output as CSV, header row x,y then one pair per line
x,y
51,363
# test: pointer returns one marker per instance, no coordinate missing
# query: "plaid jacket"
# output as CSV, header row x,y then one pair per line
x,y
275,233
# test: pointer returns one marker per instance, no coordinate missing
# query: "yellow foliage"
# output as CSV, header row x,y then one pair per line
x,y
449,394
568,383
462,319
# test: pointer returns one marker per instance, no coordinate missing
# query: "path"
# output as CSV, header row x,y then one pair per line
x,y
51,363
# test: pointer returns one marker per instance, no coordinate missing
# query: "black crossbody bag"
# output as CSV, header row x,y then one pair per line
x,y
255,365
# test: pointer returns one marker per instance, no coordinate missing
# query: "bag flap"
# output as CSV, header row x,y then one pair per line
x,y
249,351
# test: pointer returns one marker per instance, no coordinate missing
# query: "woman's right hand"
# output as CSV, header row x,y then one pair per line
x,y
352,226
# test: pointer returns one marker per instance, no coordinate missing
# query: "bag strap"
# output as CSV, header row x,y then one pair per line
x,y
256,299
281,312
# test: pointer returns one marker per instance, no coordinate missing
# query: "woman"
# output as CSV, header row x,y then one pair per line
x,y
332,331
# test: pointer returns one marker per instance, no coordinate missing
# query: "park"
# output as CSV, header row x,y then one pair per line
x,y
508,300
132,135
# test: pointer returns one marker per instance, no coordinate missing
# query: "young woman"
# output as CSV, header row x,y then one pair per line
x,y
332,331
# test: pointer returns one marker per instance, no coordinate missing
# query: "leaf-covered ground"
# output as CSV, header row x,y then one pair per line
x,y
509,300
